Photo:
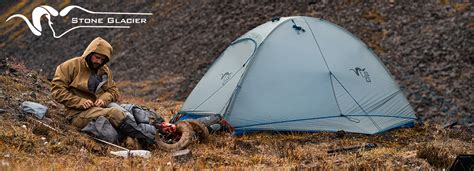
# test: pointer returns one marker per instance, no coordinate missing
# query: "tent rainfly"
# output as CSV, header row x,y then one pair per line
x,y
300,74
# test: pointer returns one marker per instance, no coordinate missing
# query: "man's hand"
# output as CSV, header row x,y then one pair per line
x,y
88,104
99,103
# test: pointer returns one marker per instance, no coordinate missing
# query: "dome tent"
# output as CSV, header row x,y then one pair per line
x,y
300,74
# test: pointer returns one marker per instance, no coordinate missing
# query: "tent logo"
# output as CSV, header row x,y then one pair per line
x,y
49,12
225,77
362,73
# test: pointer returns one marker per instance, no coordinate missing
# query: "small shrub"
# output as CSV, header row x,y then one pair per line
x,y
435,156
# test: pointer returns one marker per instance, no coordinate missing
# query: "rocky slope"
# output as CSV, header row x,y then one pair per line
x,y
428,46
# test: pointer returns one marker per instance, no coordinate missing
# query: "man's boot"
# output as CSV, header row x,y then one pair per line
x,y
145,133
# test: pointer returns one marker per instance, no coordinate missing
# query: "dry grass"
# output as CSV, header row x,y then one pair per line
x,y
461,7
436,156
25,143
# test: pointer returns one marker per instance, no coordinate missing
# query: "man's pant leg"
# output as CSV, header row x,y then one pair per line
x,y
114,115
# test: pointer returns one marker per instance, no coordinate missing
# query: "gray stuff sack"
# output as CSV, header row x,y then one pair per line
x,y
36,109
142,115
102,128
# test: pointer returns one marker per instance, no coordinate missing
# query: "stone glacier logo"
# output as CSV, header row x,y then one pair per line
x,y
225,77
362,72
49,12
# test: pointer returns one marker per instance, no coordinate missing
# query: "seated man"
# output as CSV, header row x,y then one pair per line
x,y
84,85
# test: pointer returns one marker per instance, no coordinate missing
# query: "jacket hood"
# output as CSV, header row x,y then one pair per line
x,y
99,45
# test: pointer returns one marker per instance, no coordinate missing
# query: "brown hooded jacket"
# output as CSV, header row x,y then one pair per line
x,y
70,82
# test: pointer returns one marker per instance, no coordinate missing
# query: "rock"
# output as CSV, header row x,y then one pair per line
x,y
340,134
182,155
471,127
450,124
4,163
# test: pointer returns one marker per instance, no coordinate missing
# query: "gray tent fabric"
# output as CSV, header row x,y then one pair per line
x,y
102,128
36,109
300,74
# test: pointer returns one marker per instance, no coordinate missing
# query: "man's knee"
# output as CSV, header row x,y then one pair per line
x,y
115,116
